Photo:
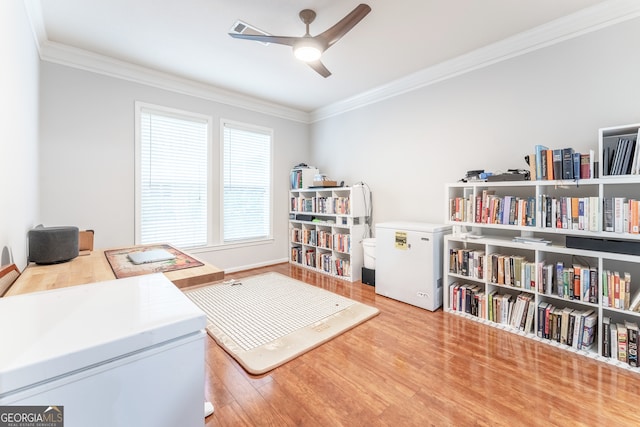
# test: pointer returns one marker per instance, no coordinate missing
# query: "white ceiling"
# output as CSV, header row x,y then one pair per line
x,y
188,39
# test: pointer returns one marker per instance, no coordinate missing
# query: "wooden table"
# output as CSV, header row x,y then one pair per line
x,y
95,268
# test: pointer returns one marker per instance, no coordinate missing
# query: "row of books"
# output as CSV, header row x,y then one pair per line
x,y
511,270
561,164
491,209
308,257
624,159
620,341
570,213
574,282
621,215
342,242
516,311
300,177
467,262
575,328
616,291
322,239
335,265
312,237
321,204
304,235
328,263
573,213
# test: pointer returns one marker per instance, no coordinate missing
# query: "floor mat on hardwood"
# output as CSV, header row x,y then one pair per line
x,y
266,320
123,267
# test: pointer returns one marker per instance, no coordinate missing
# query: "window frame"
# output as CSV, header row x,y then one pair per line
x,y
141,107
250,128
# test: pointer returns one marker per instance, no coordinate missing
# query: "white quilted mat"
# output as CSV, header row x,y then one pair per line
x,y
266,320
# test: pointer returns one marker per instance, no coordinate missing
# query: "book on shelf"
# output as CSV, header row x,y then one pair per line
x,y
531,161
567,163
548,321
571,328
539,161
565,313
616,290
613,342
530,317
585,166
594,286
547,279
625,291
606,336
618,214
635,163
608,222
542,308
623,159
549,161
632,343
622,342
557,163
578,333
634,304
576,165
588,331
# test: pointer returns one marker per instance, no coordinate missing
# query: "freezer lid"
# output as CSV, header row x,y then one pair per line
x,y
51,333
414,226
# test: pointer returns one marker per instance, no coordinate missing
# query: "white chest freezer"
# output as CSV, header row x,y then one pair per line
x,y
126,352
409,262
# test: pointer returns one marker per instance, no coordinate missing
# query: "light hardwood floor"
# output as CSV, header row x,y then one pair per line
x,y
412,367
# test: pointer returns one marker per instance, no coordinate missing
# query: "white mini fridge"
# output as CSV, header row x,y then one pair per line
x,y
409,262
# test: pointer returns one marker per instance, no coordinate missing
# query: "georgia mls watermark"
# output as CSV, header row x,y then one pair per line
x,y
31,416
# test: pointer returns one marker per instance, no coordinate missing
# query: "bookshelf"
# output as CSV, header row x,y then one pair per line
x,y
514,271
326,228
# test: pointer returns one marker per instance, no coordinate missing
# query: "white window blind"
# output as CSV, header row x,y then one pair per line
x,y
246,165
173,178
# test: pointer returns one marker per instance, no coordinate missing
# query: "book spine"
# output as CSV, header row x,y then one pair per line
x,y
606,337
632,344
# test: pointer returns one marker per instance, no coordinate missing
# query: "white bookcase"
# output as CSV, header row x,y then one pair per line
x,y
326,228
473,253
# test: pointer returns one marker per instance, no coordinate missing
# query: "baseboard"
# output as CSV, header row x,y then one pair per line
x,y
258,265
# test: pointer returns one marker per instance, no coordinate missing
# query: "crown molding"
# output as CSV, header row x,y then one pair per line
x,y
585,21
591,19
81,59
89,61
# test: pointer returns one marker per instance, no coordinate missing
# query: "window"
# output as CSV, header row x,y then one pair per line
x,y
172,175
246,175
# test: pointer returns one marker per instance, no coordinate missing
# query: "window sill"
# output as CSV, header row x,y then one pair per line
x,y
227,246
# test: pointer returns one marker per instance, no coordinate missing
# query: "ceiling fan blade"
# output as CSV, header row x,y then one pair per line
x,y
334,33
320,68
289,41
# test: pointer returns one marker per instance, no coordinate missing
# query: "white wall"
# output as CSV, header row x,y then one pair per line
x,y
18,131
407,147
87,158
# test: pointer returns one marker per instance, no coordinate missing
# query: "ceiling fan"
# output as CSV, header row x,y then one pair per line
x,y
309,48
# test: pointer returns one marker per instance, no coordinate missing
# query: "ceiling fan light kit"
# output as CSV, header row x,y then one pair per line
x,y
310,48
